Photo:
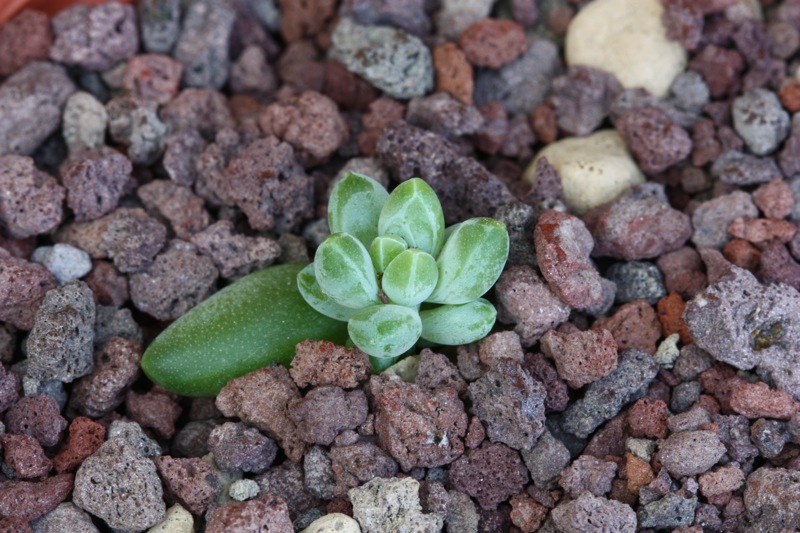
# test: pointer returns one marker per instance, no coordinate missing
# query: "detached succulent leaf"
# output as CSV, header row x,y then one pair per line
x,y
385,330
321,302
471,261
344,271
355,206
414,213
410,277
458,324
384,249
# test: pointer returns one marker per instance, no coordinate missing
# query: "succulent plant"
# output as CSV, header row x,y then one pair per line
x,y
395,274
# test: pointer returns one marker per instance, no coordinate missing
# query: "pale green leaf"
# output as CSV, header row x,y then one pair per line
x,y
355,206
414,213
410,277
471,261
313,295
458,324
344,271
384,248
385,330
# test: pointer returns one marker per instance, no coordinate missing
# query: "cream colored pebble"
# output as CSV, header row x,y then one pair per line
x,y
594,169
628,39
333,523
177,520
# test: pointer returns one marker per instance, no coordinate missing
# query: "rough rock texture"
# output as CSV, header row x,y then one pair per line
x,y
116,367
261,399
261,514
769,500
60,343
416,426
591,513
327,411
238,447
391,505
23,286
743,323
355,464
30,500
319,363
581,357
690,453
37,416
191,481
235,255
120,486
490,474
31,200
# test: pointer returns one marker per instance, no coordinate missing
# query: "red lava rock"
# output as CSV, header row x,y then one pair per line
x,y
436,371
590,474
301,68
25,38
706,148
260,399
720,68
790,96
23,286
638,472
648,419
581,357
235,255
131,238
116,368
191,480
526,513
238,447
724,479
268,513
778,266
31,200
634,325
683,20
543,370
156,409
327,411
381,112
769,498
494,131
500,345
633,228
490,474
37,416
304,20
358,463
318,363
287,481
762,230
774,199
183,209
85,437
30,500
563,245
757,400
442,114
179,278
526,300
690,452
418,427
475,433
492,42
153,78
347,89
109,286
670,314
544,122
24,456
310,123
10,387
656,141
742,254
96,182
453,72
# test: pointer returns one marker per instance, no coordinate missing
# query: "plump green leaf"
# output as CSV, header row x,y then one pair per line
x,y
344,271
355,206
252,323
313,295
458,324
384,248
410,277
385,330
471,261
414,213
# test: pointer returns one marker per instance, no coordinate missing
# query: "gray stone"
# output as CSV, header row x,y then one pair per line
x,y
711,219
203,43
61,341
64,261
159,22
134,436
769,436
120,486
392,504
737,168
113,322
605,397
759,118
637,280
84,122
66,517
519,219
546,460
671,511
689,453
390,59
689,92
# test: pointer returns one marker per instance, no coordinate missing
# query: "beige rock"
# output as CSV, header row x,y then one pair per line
x,y
628,39
178,520
594,169
333,523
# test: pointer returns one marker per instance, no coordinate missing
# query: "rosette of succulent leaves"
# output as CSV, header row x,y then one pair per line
x,y
395,274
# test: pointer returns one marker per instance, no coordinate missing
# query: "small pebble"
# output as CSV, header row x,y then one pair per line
x,y
760,120
243,489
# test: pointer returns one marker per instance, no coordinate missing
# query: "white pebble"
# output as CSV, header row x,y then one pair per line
x,y
668,351
177,520
594,169
627,39
84,122
64,261
243,489
333,523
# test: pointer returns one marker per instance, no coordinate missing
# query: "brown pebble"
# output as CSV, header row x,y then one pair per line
x,y
492,42
670,314
85,437
320,363
742,254
634,325
757,400
156,409
648,419
33,499
453,72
